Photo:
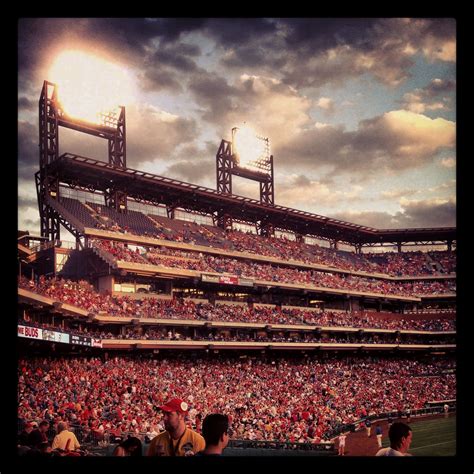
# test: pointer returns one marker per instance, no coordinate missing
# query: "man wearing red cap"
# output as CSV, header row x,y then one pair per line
x,y
177,440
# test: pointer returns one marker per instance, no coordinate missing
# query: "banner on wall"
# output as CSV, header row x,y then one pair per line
x,y
42,334
30,332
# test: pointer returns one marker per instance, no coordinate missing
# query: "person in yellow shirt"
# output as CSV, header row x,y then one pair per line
x,y
65,439
177,439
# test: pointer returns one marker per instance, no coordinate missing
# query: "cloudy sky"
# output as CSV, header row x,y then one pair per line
x,y
360,113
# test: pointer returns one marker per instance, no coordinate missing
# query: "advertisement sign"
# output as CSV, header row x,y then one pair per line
x,y
226,280
43,334
229,280
55,336
30,332
96,343
245,282
210,278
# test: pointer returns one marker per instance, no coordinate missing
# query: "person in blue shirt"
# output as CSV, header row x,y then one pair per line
x,y
379,434
368,427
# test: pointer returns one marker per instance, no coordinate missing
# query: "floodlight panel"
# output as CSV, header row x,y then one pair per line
x,y
249,147
90,88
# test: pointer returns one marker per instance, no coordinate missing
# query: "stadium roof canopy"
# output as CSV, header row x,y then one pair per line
x,y
92,175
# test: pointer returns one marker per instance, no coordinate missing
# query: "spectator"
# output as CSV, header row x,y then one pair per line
x,y
38,435
24,437
390,421
216,432
177,439
368,427
65,439
132,446
400,435
379,434
342,443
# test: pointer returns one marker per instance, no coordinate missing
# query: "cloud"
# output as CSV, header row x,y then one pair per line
x,y
431,212
447,185
213,94
193,171
33,225
273,109
449,162
375,219
241,32
300,192
326,104
406,136
396,140
177,57
397,193
414,214
423,99
28,150
164,69
153,133
306,51
312,52
151,47
159,79
24,202
131,37
25,104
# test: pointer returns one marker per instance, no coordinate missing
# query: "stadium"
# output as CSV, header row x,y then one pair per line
x,y
251,242
294,341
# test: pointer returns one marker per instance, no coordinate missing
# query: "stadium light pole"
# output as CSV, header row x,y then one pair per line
x,y
230,162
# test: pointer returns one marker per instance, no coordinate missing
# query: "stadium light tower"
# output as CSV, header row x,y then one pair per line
x,y
247,156
52,115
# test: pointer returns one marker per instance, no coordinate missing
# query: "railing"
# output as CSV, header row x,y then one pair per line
x,y
94,441
46,245
54,243
434,408
279,445
430,311
65,244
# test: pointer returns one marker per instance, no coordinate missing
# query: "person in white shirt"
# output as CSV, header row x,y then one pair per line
x,y
400,435
342,444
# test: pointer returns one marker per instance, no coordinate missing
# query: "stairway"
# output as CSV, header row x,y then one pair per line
x,y
105,256
432,263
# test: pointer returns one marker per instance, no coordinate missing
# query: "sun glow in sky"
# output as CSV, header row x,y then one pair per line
x,y
88,85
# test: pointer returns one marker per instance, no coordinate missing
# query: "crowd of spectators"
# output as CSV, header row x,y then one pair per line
x,y
297,399
272,273
83,295
402,263
391,263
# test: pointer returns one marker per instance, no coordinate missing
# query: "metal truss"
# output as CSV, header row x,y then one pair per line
x,y
227,166
51,117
